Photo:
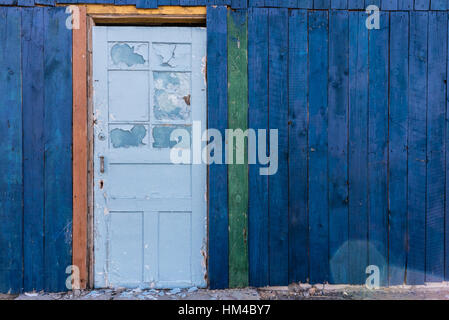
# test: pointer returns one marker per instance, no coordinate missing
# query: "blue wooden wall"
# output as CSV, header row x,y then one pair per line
x,y
362,150
35,149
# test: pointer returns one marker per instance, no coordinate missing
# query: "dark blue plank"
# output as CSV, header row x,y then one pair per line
x,y
339,4
356,4
258,119
144,4
417,149
318,115
422,4
25,3
305,4
11,182
338,142
256,3
321,4
446,246
163,2
358,147
438,5
239,4
390,4
398,118
378,141
278,119
406,4
373,2
58,155
436,112
297,183
217,119
45,2
33,150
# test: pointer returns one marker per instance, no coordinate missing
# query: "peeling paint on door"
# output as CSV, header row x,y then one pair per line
x,y
150,214
170,88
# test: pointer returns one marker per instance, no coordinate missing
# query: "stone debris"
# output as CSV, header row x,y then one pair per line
x,y
298,291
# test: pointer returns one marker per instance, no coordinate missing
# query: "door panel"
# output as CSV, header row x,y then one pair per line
x,y
150,214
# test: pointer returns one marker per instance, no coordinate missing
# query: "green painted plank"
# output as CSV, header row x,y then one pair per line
x,y
238,171
11,181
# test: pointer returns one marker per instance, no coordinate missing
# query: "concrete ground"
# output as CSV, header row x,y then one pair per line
x,y
292,292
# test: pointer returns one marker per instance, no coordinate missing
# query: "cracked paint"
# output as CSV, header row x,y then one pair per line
x,y
171,88
121,138
172,55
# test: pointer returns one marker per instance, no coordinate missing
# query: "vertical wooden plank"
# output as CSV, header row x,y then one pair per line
x,y
390,4
33,147
238,173
58,144
256,3
417,148
436,113
406,5
239,4
217,119
45,2
80,157
438,5
11,181
422,4
321,4
398,118
278,120
358,147
25,3
356,4
297,141
305,4
446,234
146,4
258,119
318,166
339,4
378,142
338,142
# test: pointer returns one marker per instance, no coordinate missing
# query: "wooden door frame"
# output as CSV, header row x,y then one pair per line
x,y
83,120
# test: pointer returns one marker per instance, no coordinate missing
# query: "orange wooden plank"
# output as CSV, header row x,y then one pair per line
x,y
80,149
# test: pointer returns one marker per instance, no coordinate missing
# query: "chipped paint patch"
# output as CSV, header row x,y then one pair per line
x,y
161,137
123,53
170,88
121,138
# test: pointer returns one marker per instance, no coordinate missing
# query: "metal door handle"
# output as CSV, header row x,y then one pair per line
x,y
101,164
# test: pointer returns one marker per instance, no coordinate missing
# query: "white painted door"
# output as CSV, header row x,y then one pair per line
x,y
150,214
